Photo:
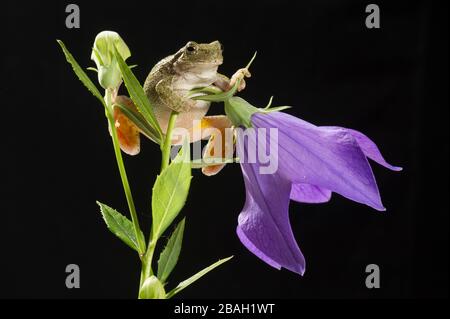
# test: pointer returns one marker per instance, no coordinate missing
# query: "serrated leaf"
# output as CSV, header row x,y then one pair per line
x,y
152,288
170,191
120,226
169,256
138,95
195,277
80,73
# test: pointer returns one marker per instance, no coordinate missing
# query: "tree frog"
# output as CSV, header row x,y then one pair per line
x,y
168,87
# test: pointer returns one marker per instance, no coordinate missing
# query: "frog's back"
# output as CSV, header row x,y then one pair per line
x,y
177,76
160,71
162,66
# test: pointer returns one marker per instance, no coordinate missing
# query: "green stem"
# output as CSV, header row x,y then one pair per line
x,y
167,141
147,265
165,158
123,174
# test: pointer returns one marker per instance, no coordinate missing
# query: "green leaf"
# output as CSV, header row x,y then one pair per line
x,y
140,122
270,103
274,109
218,97
205,90
170,191
138,95
195,277
120,226
81,74
152,289
169,256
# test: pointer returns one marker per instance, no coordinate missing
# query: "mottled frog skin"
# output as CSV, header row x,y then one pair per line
x,y
170,81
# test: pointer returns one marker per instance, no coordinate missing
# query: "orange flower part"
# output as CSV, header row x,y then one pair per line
x,y
220,144
127,132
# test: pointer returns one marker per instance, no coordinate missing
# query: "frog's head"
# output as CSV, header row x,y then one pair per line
x,y
193,54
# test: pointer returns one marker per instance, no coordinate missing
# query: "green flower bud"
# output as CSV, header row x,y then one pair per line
x,y
109,75
152,289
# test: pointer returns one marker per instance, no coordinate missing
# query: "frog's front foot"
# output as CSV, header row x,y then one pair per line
x,y
239,75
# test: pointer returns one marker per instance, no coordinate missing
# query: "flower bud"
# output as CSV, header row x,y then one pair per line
x,y
152,289
109,75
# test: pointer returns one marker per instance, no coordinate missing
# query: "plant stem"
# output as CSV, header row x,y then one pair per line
x,y
123,174
165,158
167,141
147,267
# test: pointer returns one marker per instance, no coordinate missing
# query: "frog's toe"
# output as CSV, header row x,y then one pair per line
x,y
240,75
241,85
246,72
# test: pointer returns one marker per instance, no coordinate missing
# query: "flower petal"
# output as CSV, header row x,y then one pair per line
x,y
306,193
330,158
369,148
263,225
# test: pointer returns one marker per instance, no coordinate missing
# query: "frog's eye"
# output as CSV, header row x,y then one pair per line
x,y
191,48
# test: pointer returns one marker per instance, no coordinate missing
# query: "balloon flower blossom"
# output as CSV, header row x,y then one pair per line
x,y
282,158
312,162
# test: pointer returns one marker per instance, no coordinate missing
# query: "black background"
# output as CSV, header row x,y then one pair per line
x,y
318,56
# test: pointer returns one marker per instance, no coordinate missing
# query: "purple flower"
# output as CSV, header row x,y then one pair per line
x,y
313,162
